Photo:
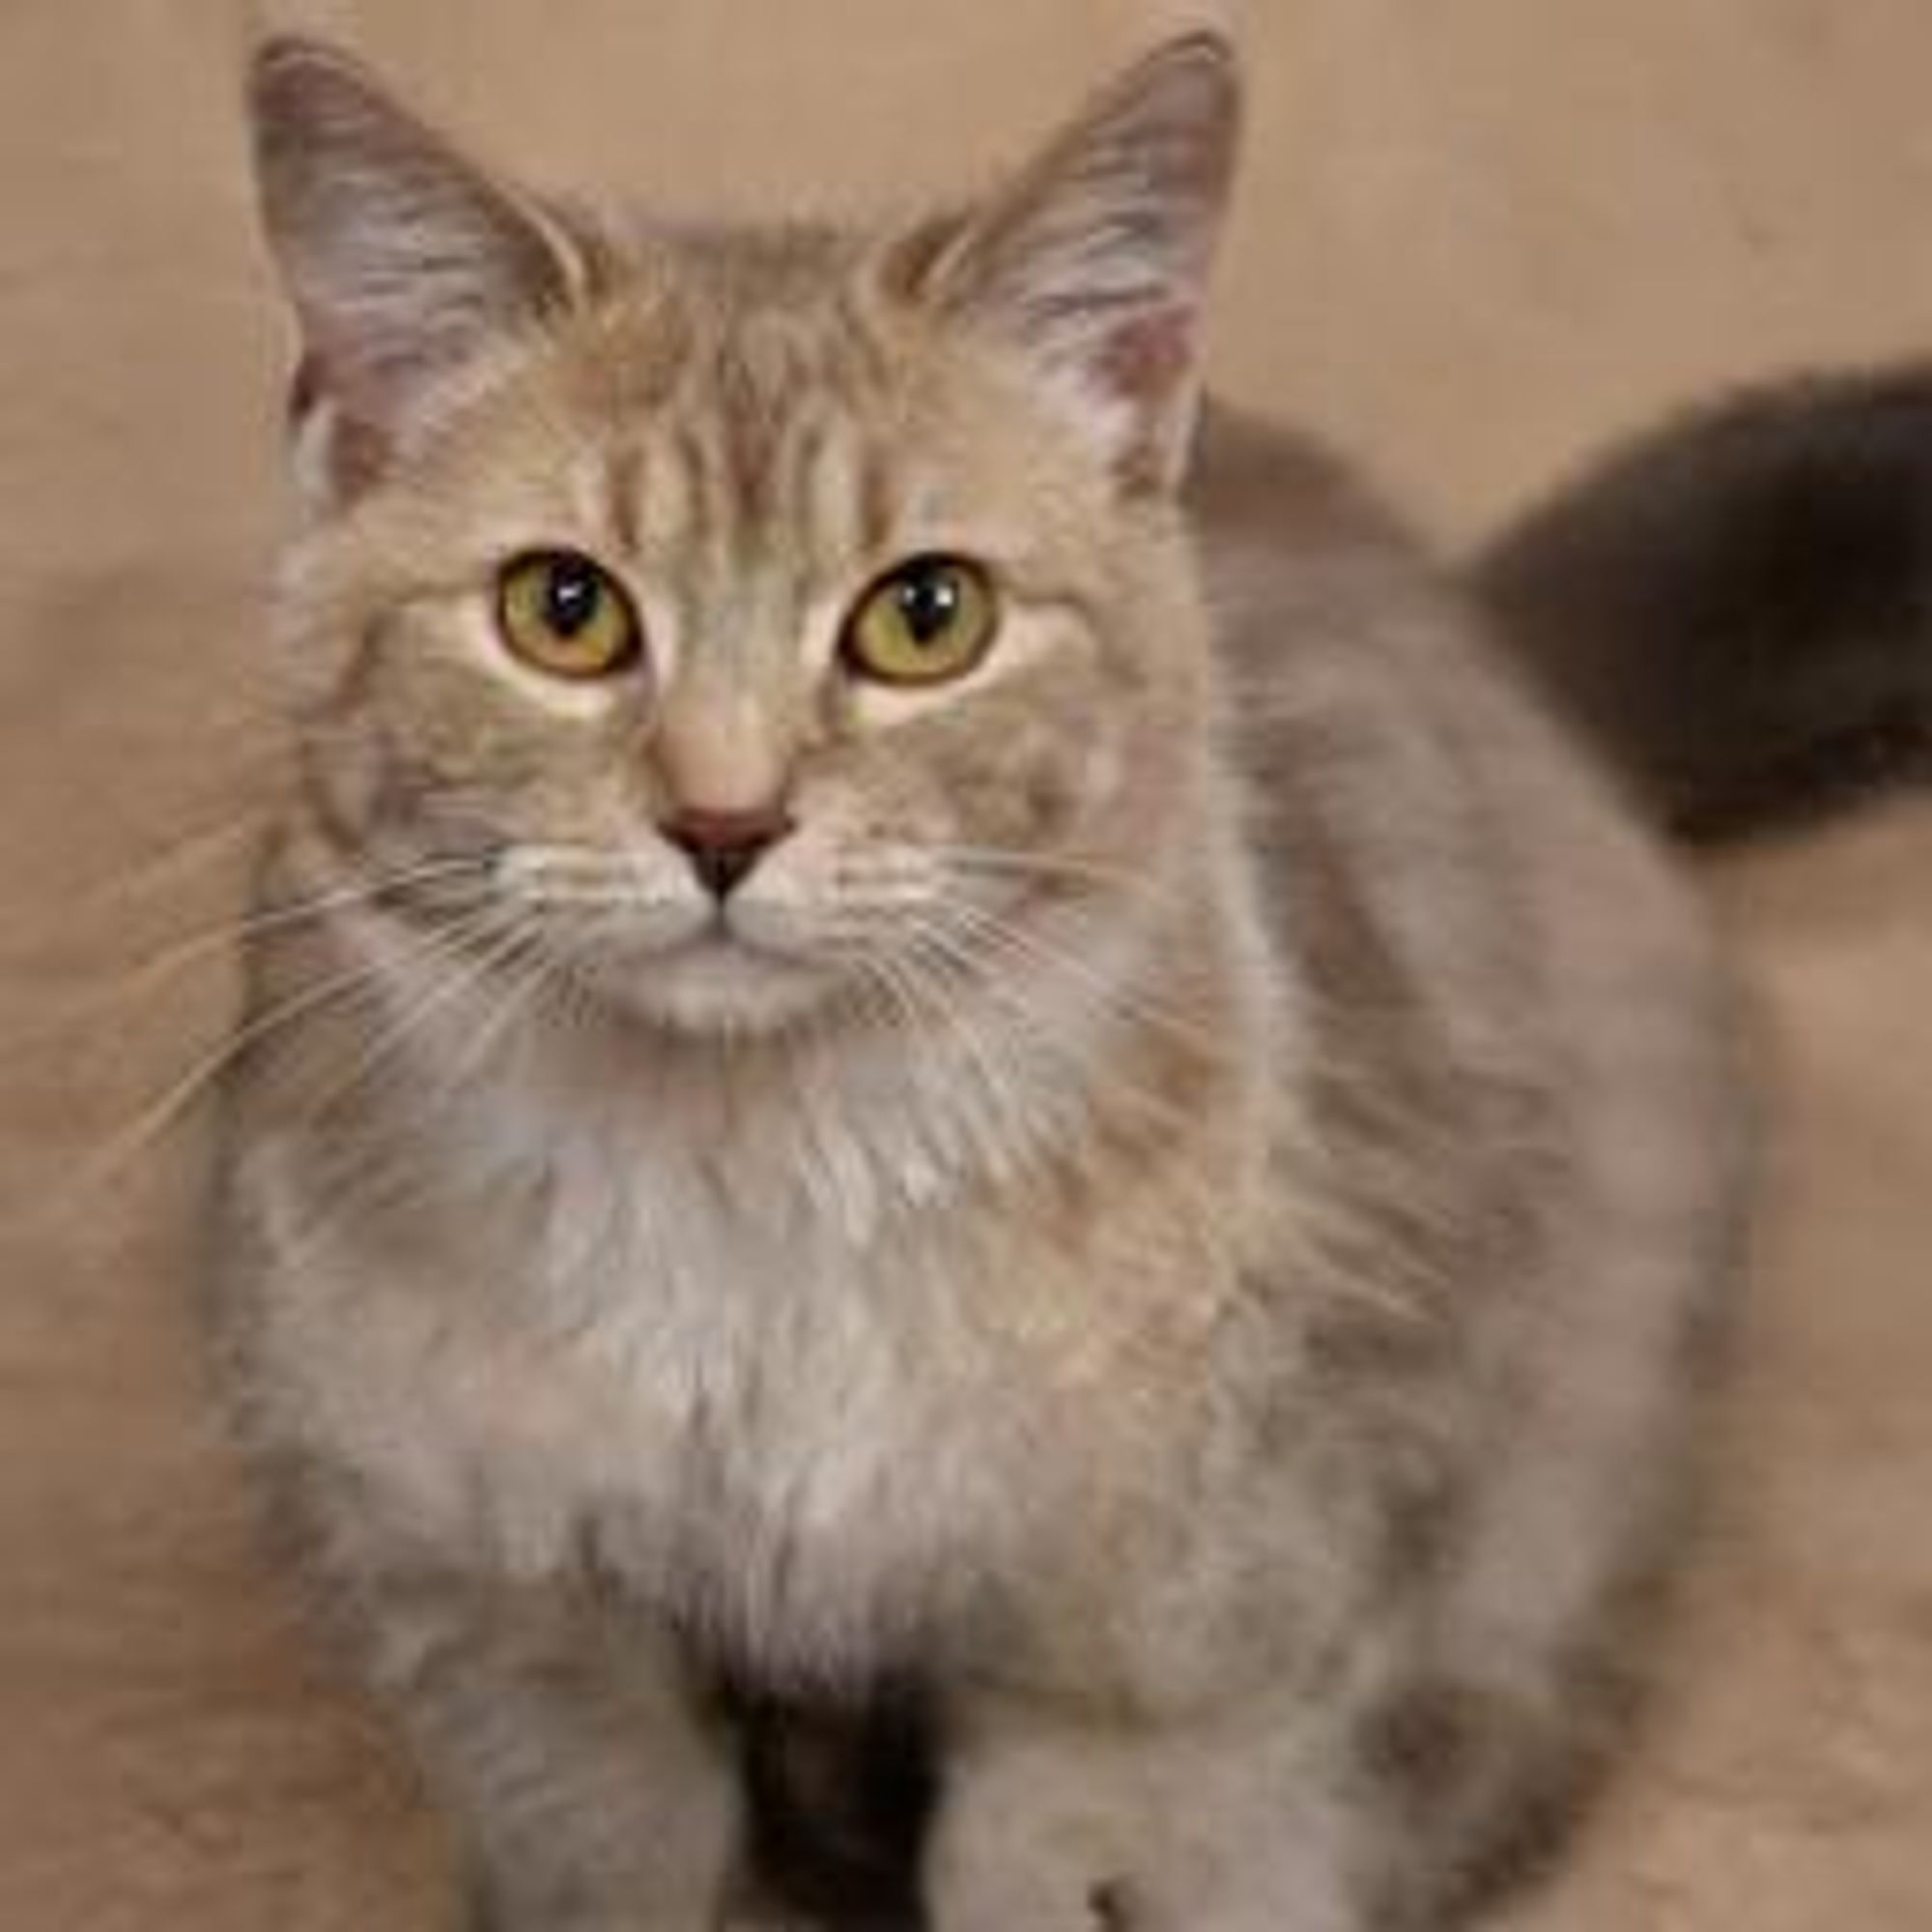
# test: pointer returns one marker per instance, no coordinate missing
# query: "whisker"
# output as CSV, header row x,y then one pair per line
x,y
149,875
174,1104
466,977
220,940
297,912
1041,865
1107,996
399,1181
1095,1073
933,963
517,1000
380,1159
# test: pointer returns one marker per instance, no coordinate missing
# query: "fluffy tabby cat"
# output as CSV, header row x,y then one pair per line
x,y
972,1189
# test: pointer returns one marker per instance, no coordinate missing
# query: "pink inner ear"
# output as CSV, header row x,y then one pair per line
x,y
355,451
1147,359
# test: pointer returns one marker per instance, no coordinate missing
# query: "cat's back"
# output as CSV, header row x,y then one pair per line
x,y
1370,708
1454,878
1527,1098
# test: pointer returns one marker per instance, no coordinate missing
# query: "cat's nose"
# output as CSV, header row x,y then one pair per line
x,y
724,846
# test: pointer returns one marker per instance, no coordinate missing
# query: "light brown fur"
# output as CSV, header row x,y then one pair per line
x,y
1180,1220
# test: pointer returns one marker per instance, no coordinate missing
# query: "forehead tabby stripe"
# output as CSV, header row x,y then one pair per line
x,y
624,496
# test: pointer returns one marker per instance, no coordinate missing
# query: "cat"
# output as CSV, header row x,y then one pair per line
x,y
972,1186
1733,606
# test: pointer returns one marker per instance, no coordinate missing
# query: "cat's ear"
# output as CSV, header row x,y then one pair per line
x,y
402,259
1096,257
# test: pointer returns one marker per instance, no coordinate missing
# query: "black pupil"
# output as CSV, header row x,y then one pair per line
x,y
573,592
928,602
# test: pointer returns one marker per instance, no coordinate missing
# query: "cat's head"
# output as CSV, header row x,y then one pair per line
x,y
749,620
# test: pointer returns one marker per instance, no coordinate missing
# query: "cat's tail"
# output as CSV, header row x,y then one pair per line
x,y
1738,607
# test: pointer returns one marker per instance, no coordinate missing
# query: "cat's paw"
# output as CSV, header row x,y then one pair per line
x,y
1030,1843
1017,1891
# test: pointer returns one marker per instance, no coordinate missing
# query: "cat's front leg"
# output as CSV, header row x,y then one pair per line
x,y
1032,1834
1053,1826
588,1788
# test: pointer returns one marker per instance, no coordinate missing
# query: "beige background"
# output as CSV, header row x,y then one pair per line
x,y
1474,238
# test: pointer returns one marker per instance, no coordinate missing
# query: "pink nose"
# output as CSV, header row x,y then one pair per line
x,y
724,846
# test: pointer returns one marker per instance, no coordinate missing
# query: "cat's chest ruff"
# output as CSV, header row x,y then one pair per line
x,y
768,1423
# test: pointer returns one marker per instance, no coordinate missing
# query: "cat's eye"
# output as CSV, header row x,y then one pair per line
x,y
565,615
928,622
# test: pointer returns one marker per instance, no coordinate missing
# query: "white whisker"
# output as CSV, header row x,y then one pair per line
x,y
1045,867
934,962
129,986
185,855
1103,995
1093,1073
465,976
154,1119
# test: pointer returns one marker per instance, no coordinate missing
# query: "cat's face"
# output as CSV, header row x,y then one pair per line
x,y
749,622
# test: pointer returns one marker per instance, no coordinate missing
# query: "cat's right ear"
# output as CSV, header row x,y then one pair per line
x,y
1095,260
402,258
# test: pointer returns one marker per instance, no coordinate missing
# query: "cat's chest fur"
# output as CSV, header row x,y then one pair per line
x,y
789,1431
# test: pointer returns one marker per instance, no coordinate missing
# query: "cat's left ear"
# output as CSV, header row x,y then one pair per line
x,y
404,259
1097,258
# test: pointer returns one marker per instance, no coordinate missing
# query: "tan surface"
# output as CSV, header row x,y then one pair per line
x,y
1474,237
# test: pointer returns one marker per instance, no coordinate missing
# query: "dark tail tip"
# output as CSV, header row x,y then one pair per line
x,y
1737,607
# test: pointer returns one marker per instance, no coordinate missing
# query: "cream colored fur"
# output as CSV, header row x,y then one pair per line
x,y
1179,1211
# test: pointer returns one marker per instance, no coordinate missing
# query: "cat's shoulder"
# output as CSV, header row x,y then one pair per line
x,y
1253,480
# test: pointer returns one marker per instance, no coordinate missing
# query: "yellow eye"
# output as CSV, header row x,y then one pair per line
x,y
929,621
565,615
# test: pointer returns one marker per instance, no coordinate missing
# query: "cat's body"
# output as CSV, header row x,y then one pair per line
x,y
1161,1401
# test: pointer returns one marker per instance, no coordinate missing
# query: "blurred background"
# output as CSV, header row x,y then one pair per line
x,y
1473,241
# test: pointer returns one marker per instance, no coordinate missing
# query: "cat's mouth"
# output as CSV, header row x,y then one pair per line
x,y
717,978
722,937
649,946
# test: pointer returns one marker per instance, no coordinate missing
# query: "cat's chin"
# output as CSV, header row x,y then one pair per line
x,y
719,988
